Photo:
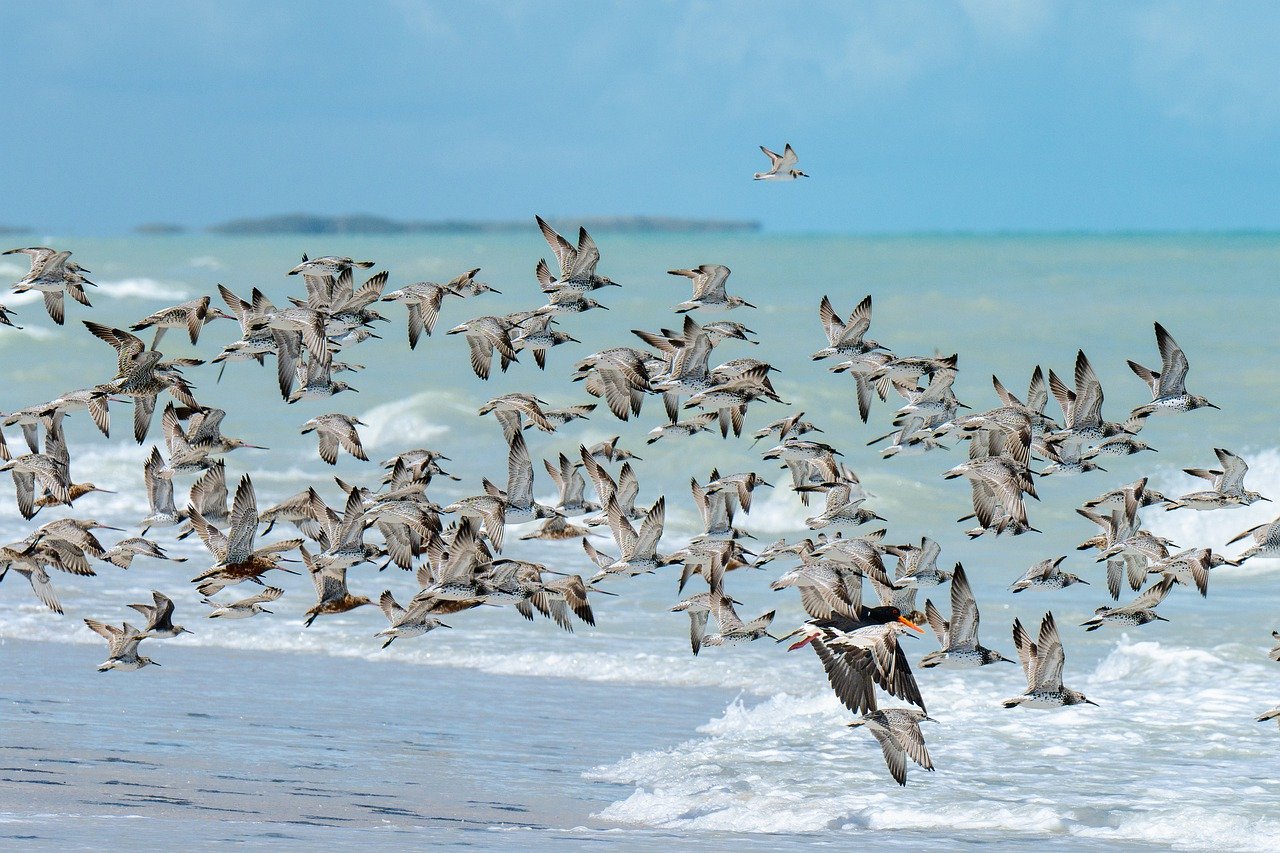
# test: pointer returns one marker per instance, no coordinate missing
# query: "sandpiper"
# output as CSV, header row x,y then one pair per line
x,y
1046,574
159,616
244,607
405,623
729,626
959,636
1168,387
122,646
336,430
1266,539
191,315
1228,489
708,289
1042,663
1140,611
898,731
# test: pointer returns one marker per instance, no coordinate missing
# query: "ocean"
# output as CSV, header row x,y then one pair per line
x,y
501,733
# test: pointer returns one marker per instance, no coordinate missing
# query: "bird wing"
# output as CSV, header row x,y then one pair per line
x,y
1050,657
1174,366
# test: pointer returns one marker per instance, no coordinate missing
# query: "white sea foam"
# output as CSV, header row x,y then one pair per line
x,y
142,288
404,423
38,333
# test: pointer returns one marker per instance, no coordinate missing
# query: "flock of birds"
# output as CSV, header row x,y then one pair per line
x,y
456,550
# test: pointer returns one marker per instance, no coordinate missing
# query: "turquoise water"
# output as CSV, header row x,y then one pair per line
x,y
742,740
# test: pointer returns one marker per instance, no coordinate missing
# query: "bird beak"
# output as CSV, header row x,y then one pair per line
x,y
800,644
265,610
256,447
155,663
913,626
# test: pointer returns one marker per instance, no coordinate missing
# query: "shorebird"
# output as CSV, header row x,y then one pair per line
x,y
789,427
334,430
1266,539
123,552
1082,407
1168,387
29,468
898,731
1228,486
1115,499
519,505
329,265
861,652
729,625
918,565
122,646
235,557
317,380
692,426
1273,714
405,623
1046,574
782,167
959,636
245,607
844,505
484,335
424,300
1042,662
1190,567
53,275
330,579
192,315
24,559
577,264
159,616
708,290
1140,611
638,551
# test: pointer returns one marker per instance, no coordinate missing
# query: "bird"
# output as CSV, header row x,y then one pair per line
x,y
959,636
1042,662
729,625
708,289
244,607
577,264
782,167
122,646
192,315
1266,541
405,623
159,616
1168,387
330,579
1228,489
898,731
1140,611
1046,574
336,430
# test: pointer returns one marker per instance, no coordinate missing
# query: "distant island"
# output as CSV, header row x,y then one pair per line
x,y
16,229
305,223
161,228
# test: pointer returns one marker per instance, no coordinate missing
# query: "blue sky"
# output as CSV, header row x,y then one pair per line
x,y
970,115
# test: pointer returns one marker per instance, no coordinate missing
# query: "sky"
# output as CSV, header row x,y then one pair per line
x,y
973,115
